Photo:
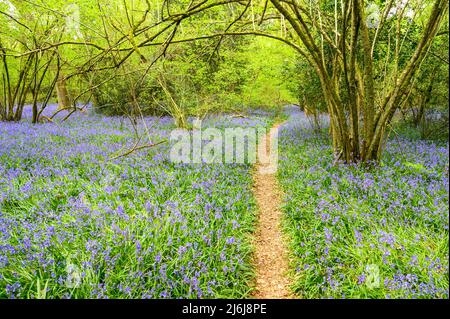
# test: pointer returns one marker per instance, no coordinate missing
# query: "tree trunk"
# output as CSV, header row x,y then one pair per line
x,y
64,100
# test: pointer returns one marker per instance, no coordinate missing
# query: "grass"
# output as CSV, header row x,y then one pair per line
x,y
365,233
75,225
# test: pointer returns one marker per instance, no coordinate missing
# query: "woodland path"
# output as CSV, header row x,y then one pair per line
x,y
271,254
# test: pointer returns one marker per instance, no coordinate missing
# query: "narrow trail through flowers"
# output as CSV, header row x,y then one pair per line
x,y
271,254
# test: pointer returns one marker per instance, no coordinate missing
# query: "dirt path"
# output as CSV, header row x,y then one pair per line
x,y
271,256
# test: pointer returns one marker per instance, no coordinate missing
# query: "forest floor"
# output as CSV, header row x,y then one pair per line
x,y
271,253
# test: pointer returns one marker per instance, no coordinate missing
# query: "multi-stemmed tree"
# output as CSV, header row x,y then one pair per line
x,y
347,46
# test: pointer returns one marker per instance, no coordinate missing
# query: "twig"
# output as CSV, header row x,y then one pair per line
x,y
136,148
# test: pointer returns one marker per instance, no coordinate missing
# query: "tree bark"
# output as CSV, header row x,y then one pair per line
x,y
64,100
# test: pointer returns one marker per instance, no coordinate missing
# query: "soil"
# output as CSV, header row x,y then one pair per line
x,y
271,254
